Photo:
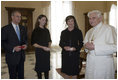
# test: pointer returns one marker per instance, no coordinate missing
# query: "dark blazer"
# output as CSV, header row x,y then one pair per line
x,y
9,40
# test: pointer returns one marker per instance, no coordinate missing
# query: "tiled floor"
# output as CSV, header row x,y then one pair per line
x,y
55,62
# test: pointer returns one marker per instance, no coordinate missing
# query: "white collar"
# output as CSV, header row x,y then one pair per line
x,y
14,26
98,25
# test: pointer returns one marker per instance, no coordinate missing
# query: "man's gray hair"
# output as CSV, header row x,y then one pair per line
x,y
13,12
99,14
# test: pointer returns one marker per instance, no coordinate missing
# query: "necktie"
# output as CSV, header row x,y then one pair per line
x,y
18,32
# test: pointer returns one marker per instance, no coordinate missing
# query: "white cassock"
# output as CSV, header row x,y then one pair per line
x,y
100,63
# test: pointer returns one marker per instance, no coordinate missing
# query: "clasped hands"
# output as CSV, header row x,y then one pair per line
x,y
89,46
18,48
43,47
67,48
46,48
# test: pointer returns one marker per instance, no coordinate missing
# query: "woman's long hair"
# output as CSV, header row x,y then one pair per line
x,y
37,21
75,22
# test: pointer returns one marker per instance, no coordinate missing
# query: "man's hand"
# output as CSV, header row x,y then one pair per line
x,y
89,46
17,48
24,47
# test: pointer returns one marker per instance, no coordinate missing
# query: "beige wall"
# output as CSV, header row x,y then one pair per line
x,y
79,8
41,7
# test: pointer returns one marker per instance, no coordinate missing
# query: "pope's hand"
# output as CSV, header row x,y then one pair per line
x,y
89,46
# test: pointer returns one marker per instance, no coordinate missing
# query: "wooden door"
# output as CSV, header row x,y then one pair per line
x,y
87,24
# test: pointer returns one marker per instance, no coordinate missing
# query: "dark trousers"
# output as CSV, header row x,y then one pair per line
x,y
16,71
46,74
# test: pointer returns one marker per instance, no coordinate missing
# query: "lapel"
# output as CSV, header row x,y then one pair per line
x,y
21,32
14,32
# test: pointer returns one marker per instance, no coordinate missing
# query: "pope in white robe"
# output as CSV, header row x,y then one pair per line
x,y
100,43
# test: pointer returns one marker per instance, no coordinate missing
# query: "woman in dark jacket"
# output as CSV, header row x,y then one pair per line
x,y
71,42
41,41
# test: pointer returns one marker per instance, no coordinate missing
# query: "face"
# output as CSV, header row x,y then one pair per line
x,y
94,19
70,23
16,18
42,21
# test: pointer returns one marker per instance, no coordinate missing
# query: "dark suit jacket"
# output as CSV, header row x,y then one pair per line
x,y
9,40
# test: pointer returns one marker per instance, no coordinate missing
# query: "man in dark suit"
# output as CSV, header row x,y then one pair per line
x,y
14,42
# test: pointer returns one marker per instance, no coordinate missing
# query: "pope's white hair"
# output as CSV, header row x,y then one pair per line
x,y
99,14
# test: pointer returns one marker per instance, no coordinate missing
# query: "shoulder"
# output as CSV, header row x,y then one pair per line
x,y
89,31
47,29
109,27
6,27
78,30
36,29
64,31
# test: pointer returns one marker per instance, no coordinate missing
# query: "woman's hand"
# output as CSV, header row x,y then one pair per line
x,y
72,49
67,48
46,48
43,47
36,45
